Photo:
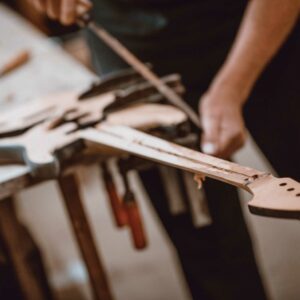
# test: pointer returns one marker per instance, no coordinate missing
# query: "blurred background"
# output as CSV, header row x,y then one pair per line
x,y
152,274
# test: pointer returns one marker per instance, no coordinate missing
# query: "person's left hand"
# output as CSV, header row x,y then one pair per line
x,y
65,11
222,121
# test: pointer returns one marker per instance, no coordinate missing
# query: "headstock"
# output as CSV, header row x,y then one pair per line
x,y
275,197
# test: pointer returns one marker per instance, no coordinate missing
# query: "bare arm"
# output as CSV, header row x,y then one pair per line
x,y
264,28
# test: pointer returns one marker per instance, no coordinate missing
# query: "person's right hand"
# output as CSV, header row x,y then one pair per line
x,y
64,11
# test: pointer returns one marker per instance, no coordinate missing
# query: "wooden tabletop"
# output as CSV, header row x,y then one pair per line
x,y
49,70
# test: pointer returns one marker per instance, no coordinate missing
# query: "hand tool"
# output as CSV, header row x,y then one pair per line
x,y
107,83
85,21
131,208
116,202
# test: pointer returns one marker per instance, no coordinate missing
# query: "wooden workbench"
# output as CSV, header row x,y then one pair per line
x,y
49,70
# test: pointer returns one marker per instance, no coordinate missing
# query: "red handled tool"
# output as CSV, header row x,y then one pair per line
x,y
133,213
116,203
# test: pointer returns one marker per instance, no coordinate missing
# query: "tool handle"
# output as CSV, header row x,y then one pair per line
x,y
17,61
135,221
116,203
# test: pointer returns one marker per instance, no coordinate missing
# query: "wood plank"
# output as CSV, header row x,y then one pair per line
x,y
276,197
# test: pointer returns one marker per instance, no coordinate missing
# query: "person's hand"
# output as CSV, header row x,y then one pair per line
x,y
222,121
64,11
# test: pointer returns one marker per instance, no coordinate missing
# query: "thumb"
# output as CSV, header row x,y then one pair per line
x,y
210,135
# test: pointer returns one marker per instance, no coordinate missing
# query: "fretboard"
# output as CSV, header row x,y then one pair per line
x,y
134,142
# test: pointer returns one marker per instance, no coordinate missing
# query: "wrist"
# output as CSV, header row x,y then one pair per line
x,y
233,86
229,89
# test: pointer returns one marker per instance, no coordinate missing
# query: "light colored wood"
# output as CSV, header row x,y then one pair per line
x,y
15,62
50,70
64,105
142,68
68,106
142,144
231,171
36,147
269,197
276,197
147,116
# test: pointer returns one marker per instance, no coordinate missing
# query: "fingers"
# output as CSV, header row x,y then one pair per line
x,y
223,127
221,138
53,9
210,121
211,133
64,11
68,12
231,140
39,5
83,6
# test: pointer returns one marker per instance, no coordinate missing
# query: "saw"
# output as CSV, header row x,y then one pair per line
x,y
85,21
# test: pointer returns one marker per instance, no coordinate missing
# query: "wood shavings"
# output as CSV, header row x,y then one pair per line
x,y
199,178
15,62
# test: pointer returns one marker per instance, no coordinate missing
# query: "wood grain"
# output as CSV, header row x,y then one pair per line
x,y
277,197
81,228
143,69
141,144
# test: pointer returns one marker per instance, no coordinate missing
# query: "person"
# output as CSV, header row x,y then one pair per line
x,y
241,58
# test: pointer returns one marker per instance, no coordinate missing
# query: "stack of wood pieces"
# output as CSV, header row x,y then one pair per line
x,y
125,118
45,136
67,129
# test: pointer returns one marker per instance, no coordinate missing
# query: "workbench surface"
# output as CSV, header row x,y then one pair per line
x,y
49,70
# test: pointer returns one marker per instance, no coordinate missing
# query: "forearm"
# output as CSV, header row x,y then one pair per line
x,y
264,28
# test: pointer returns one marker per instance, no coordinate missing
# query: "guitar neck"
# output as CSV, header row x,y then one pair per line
x,y
129,140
